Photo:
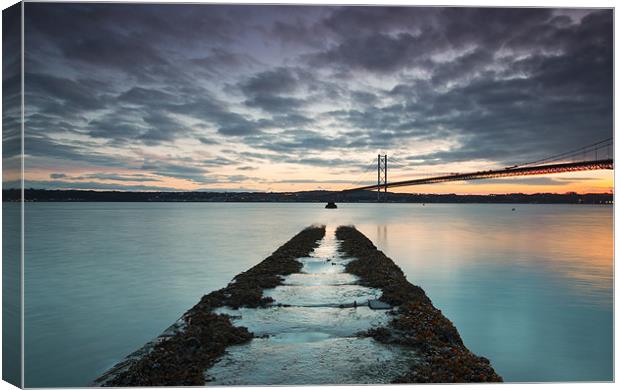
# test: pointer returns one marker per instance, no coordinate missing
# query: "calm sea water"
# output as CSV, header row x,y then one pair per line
x,y
530,289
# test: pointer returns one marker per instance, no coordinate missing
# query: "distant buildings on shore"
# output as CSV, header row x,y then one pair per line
x,y
38,195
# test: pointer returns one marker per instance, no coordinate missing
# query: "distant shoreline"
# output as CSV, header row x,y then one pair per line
x,y
35,195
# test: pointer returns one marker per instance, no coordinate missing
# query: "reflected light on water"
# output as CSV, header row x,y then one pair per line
x,y
574,247
531,289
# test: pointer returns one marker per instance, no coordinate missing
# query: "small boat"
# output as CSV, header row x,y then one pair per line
x,y
331,205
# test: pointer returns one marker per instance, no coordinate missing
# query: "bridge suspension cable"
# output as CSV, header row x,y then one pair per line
x,y
361,178
580,152
547,165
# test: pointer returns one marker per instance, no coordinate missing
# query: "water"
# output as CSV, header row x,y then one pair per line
x,y
531,289
11,297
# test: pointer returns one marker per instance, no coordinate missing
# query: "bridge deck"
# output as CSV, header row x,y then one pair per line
x,y
506,172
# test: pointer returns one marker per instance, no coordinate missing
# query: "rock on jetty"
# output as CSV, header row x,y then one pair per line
x,y
417,323
180,355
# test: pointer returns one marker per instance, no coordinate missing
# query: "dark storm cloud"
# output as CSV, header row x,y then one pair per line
x,y
105,176
355,21
115,177
197,103
388,38
286,121
147,117
11,49
176,170
40,146
272,91
11,96
290,83
115,128
219,60
298,32
125,36
463,66
377,53
555,101
64,94
92,185
207,141
146,97
236,125
274,103
281,80
295,140
129,43
364,97
294,157
320,162
217,162
161,128
42,123
116,51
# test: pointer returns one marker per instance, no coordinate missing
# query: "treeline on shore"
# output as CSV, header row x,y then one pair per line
x,y
40,195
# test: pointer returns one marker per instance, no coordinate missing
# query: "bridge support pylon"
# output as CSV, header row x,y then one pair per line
x,y
382,177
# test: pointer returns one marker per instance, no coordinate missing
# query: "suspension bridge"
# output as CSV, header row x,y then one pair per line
x,y
592,157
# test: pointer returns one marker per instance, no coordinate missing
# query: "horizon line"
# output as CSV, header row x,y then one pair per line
x,y
610,192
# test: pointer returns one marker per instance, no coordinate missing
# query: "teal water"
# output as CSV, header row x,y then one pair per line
x,y
11,293
530,289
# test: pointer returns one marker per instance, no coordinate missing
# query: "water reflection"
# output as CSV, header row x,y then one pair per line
x,y
575,248
382,236
530,289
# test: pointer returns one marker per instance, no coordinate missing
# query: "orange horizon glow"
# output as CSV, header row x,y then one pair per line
x,y
578,182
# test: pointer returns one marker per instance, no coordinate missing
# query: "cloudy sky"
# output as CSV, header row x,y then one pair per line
x,y
279,98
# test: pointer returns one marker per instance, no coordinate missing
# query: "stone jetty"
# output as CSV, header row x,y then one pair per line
x,y
179,356
442,356
327,307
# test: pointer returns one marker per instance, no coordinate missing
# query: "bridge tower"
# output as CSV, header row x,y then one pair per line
x,y
382,177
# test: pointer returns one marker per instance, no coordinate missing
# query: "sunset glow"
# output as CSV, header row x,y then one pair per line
x,y
262,98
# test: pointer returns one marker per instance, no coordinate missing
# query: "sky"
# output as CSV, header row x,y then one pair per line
x,y
289,98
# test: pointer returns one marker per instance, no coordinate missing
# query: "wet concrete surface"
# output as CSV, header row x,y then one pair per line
x,y
310,335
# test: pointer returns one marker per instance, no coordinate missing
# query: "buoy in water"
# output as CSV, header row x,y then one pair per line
x,y
331,205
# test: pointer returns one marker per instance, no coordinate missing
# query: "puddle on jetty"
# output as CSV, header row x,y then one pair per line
x,y
311,339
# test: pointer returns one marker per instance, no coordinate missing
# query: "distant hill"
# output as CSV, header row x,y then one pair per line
x,y
38,195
